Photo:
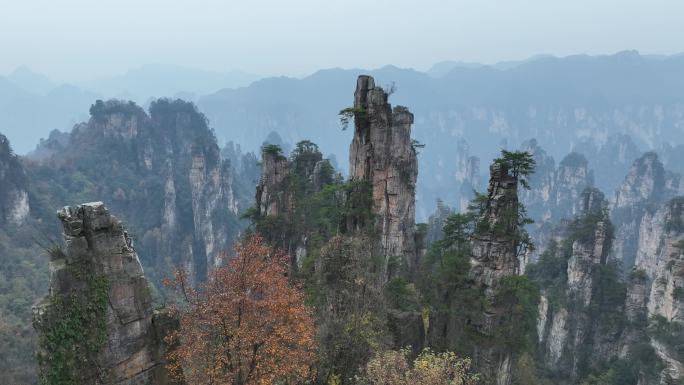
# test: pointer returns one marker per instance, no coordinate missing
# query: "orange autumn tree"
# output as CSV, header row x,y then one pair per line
x,y
246,325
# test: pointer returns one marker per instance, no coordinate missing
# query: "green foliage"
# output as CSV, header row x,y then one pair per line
x,y
519,164
407,173
346,292
417,146
101,109
641,362
274,150
447,290
678,293
349,113
23,281
456,231
670,334
526,372
401,294
608,295
550,273
638,274
74,330
518,296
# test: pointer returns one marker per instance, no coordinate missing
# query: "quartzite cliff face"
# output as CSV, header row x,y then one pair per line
x,y
660,292
573,336
14,199
383,154
97,324
162,172
494,257
284,192
554,194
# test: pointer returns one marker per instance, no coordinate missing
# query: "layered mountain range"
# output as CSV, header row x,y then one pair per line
x,y
599,300
609,108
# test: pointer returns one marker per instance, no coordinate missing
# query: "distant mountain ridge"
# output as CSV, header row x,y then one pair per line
x,y
575,103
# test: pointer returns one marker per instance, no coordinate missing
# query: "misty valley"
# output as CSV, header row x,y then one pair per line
x,y
517,224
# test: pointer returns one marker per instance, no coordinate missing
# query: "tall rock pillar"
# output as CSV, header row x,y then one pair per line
x,y
382,154
97,324
494,258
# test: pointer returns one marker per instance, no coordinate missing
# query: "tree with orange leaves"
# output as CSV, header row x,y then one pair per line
x,y
246,325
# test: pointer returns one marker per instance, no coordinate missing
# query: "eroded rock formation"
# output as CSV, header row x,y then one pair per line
x,y
642,188
283,195
162,172
382,154
494,257
97,324
554,194
494,253
573,335
14,201
272,198
660,261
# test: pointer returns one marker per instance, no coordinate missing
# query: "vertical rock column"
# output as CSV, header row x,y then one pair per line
x,y
96,325
14,203
493,245
382,154
271,197
493,259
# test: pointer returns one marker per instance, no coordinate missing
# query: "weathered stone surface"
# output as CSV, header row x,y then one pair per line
x,y
554,194
436,222
283,192
493,258
494,251
569,335
467,174
660,260
382,154
97,245
163,173
271,197
643,188
14,202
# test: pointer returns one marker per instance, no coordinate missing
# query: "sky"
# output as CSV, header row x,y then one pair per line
x,y
78,40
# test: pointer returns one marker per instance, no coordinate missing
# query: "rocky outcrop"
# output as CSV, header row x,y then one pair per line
x,y
436,222
493,248
14,199
283,196
611,159
467,174
382,154
660,261
573,176
574,335
554,193
494,257
162,172
271,197
587,252
641,191
97,324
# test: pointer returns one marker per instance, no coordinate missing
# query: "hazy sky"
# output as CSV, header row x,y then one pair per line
x,y
81,39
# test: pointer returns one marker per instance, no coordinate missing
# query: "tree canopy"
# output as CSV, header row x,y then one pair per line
x,y
520,164
246,325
